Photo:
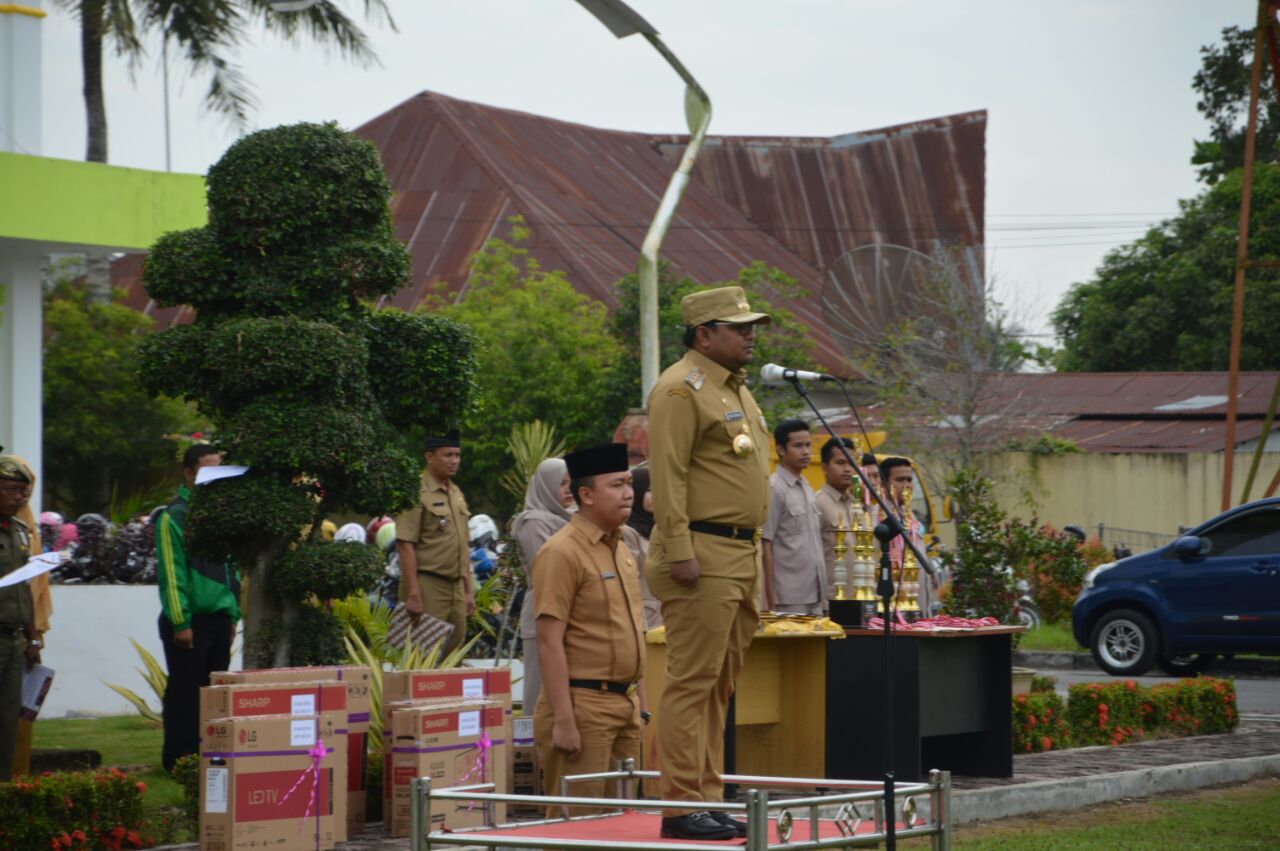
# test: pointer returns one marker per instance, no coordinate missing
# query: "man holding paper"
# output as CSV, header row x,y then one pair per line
x,y
200,598
19,644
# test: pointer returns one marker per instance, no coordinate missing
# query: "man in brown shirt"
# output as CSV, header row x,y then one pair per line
x,y
836,503
709,468
431,540
590,631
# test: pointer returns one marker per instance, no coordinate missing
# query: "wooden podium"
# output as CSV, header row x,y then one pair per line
x,y
779,705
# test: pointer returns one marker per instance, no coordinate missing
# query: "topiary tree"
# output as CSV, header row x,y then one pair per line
x,y
304,382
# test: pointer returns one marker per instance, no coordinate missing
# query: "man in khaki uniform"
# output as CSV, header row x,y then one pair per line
x,y
709,470
795,576
590,631
431,540
837,505
19,644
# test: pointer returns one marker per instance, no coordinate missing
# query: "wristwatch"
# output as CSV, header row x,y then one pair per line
x,y
35,642
645,715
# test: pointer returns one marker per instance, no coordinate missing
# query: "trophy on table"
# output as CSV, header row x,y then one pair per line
x,y
841,571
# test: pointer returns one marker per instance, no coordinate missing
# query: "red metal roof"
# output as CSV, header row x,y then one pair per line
x,y
459,169
1122,411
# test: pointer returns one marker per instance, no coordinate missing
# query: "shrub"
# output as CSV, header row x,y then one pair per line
x,y
1190,707
330,570
1055,568
186,771
1040,723
1105,713
75,810
981,586
1041,683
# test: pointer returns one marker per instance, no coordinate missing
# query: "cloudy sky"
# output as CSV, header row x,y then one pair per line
x,y
1091,113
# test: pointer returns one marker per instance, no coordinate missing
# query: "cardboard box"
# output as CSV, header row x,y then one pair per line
x,y
357,680
441,684
443,741
248,765
526,768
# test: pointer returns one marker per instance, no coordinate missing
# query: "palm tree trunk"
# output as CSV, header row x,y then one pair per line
x,y
92,13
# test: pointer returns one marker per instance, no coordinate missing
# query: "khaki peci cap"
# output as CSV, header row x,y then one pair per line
x,y
723,304
14,468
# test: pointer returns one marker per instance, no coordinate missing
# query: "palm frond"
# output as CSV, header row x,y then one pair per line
x,y
530,444
138,703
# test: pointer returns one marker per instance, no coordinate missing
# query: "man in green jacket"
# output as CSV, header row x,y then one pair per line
x,y
200,598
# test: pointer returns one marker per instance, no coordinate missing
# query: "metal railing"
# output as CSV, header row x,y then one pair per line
x,y
1137,540
844,809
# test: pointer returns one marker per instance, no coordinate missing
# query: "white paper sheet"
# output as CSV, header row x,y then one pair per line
x,y
35,566
223,471
215,790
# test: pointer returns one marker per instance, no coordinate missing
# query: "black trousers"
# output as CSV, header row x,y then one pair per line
x,y
189,670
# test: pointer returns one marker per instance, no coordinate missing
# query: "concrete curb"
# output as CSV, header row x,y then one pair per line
x,y
1074,793
1044,659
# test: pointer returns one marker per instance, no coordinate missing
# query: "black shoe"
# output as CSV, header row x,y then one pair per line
x,y
699,825
739,827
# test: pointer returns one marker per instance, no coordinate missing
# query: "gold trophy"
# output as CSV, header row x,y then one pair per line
x,y
910,592
841,570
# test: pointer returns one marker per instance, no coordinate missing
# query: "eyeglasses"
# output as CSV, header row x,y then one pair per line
x,y
744,329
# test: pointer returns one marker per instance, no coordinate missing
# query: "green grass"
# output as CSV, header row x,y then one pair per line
x,y
1238,817
1050,636
125,741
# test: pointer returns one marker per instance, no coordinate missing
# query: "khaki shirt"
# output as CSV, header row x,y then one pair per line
x,y
794,529
696,410
15,548
535,530
437,528
588,580
836,509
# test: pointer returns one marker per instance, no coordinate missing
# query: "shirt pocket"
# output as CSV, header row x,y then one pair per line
x,y
437,520
734,429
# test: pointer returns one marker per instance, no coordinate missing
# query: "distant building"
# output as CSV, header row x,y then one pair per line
x,y
460,169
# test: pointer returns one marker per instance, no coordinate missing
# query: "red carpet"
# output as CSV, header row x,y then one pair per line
x,y
643,827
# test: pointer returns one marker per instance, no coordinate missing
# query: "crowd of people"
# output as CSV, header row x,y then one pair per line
x,y
699,538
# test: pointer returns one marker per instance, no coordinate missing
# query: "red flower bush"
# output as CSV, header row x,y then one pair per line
x,y
94,811
1039,723
1120,712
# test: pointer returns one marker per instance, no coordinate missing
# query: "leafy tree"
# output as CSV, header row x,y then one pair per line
x,y
545,354
303,382
786,340
103,433
206,33
982,579
1222,84
937,373
1164,301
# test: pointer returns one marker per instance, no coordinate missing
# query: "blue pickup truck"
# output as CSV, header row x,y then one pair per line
x,y
1214,591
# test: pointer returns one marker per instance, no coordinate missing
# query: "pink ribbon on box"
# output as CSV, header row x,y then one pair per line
x,y
317,754
484,746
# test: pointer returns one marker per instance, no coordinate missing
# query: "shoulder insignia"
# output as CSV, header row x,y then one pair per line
x,y
695,378
763,424
679,392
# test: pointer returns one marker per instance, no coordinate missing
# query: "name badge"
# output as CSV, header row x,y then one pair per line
x,y
609,575
732,416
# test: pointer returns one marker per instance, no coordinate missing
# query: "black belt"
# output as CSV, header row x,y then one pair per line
x,y
738,533
604,685
9,631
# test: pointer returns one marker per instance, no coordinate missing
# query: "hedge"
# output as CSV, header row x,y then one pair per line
x,y
1115,713
72,810
1040,723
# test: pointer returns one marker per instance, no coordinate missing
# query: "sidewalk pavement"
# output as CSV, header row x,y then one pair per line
x,y
1075,778
1237,667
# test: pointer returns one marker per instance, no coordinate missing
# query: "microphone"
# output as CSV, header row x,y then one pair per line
x,y
778,376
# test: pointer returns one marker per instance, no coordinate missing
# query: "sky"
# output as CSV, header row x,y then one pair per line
x,y
1091,114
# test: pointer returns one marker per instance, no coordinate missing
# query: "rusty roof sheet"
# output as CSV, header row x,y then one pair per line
x,y
459,169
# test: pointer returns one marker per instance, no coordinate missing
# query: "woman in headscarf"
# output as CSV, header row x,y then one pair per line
x,y
548,504
636,536
42,601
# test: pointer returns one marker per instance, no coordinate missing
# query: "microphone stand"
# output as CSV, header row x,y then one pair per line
x,y
886,531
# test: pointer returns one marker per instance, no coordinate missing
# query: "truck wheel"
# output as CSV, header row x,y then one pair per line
x,y
1125,643
1186,664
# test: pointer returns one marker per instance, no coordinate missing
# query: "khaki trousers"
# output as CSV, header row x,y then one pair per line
x,y
709,628
445,599
609,726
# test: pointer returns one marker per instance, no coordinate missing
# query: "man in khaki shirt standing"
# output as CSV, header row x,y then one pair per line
x,y
837,504
590,631
708,462
431,540
795,578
